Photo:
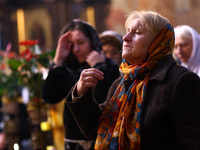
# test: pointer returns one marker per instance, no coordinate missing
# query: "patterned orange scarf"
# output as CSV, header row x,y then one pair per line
x,y
120,123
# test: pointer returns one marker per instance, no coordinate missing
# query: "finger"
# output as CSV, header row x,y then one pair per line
x,y
94,70
90,79
88,85
93,53
69,45
66,37
95,73
85,83
66,40
68,34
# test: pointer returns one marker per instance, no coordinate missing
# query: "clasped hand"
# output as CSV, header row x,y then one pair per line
x,y
95,57
88,78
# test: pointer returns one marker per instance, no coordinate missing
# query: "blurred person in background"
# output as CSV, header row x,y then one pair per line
x,y
78,48
112,45
153,106
187,48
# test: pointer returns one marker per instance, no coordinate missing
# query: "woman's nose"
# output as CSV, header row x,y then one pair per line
x,y
108,55
178,50
76,47
127,37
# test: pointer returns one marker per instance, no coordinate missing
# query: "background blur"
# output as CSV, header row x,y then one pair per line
x,y
42,19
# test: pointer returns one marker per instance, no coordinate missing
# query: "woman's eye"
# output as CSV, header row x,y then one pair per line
x,y
81,42
137,32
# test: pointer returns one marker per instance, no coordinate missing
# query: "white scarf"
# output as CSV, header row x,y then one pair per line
x,y
193,63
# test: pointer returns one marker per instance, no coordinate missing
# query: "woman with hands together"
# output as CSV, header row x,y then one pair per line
x,y
78,48
154,105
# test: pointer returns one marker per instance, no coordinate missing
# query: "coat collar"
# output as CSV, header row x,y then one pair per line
x,y
160,70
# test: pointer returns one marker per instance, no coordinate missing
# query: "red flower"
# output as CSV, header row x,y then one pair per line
x,y
2,67
28,42
26,54
11,55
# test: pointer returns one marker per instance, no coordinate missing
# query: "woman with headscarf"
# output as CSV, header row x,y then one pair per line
x,y
112,45
78,48
187,48
154,106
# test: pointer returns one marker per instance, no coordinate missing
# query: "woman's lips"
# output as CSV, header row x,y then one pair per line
x,y
126,46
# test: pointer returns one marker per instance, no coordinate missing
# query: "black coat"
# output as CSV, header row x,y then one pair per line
x,y
59,82
170,112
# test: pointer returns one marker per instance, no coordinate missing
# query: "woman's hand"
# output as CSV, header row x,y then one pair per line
x,y
94,57
63,48
88,78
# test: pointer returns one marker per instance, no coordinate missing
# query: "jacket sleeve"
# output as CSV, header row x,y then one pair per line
x,y
86,111
186,110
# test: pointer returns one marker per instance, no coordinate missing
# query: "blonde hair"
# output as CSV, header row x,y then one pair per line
x,y
153,21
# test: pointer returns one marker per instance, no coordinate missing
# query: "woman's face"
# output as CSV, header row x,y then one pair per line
x,y
81,45
183,48
136,42
111,52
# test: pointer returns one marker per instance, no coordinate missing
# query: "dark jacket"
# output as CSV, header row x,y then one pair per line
x,y
59,82
170,112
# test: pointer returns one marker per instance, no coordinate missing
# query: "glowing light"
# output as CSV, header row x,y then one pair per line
x,y
16,146
20,26
91,15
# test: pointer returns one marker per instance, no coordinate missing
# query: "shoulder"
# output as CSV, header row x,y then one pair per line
x,y
180,73
167,69
117,81
172,80
113,87
185,79
177,71
168,78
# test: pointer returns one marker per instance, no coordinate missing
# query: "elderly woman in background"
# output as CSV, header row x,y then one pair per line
x,y
154,106
112,45
187,48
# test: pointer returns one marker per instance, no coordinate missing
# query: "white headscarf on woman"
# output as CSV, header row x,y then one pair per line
x,y
193,63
